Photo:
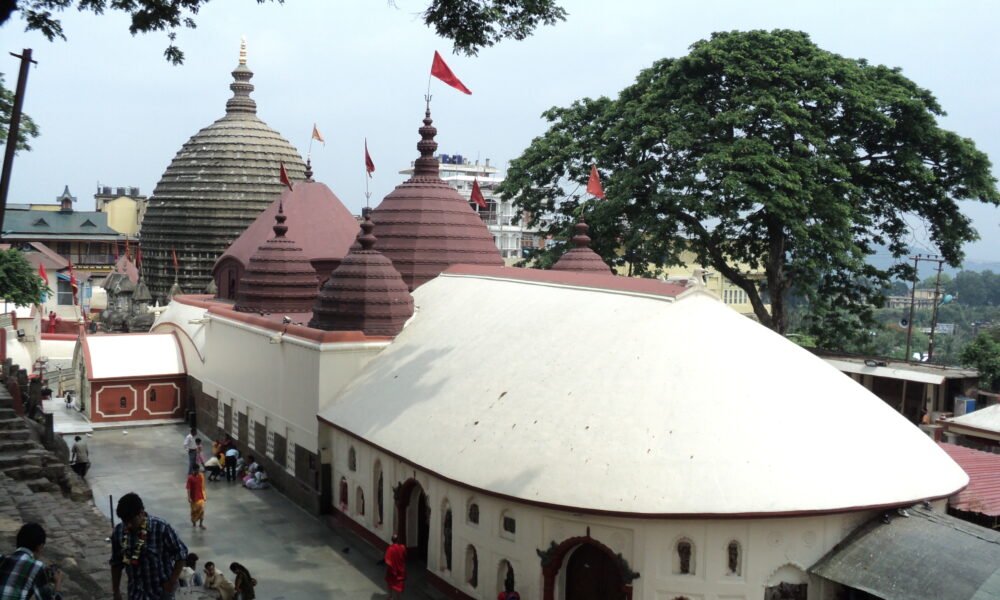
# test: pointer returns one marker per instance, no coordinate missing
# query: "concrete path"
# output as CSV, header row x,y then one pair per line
x,y
292,554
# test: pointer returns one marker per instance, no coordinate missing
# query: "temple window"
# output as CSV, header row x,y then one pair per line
x,y
734,558
684,558
352,459
359,501
473,514
446,535
471,566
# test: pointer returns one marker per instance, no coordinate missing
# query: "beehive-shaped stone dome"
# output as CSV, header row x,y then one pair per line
x,y
425,226
581,258
214,188
365,293
279,277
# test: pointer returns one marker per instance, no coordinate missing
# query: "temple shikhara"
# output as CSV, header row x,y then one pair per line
x,y
569,432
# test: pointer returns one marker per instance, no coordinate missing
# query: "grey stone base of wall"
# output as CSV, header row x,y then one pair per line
x,y
296,489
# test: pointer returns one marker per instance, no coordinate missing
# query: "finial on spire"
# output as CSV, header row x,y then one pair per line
x,y
309,169
241,102
280,229
367,238
427,164
243,50
581,239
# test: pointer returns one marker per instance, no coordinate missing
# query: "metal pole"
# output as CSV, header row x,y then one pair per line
x,y
937,293
13,130
913,298
111,512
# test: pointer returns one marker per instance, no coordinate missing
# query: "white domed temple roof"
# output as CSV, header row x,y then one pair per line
x,y
628,401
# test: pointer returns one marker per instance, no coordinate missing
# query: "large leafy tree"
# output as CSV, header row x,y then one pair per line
x,y
28,128
761,149
19,283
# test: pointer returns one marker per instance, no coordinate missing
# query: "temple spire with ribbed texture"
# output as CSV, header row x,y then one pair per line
x,y
582,258
427,164
241,86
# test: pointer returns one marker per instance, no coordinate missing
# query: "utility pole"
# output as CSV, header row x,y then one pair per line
x,y
913,297
937,294
13,130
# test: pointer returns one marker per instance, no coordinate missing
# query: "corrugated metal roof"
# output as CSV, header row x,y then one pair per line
x,y
983,492
927,556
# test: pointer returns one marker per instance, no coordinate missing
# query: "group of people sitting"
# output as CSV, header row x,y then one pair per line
x,y
241,587
227,459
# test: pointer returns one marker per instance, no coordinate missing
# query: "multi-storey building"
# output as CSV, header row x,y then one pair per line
x,y
510,234
125,208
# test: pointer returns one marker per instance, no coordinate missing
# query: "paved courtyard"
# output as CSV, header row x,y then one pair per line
x,y
292,554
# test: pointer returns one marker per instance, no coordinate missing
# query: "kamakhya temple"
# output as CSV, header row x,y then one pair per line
x,y
571,432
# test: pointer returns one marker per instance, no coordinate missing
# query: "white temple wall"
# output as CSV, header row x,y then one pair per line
x,y
770,550
275,380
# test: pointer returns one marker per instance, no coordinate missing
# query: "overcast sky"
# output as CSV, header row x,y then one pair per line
x,y
112,110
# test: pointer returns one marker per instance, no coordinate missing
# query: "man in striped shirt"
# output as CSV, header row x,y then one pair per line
x,y
148,550
22,575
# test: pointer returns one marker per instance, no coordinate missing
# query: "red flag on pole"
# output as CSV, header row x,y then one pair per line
x,y
440,70
43,274
128,252
283,176
173,254
477,194
594,186
369,163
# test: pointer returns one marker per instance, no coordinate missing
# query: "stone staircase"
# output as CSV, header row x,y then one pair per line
x,y
23,458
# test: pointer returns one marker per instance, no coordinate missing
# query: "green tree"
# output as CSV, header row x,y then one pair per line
x,y
760,148
19,282
983,354
470,24
28,128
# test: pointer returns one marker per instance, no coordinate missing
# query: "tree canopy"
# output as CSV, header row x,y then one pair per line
x,y
471,24
983,354
760,151
19,282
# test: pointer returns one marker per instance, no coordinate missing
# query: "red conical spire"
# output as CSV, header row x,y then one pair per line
x,y
425,226
582,258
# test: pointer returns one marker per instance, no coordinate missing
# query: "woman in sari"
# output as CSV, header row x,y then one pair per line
x,y
243,583
196,496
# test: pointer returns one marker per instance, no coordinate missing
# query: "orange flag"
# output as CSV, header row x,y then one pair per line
x,y
440,70
317,135
594,186
283,176
369,164
477,194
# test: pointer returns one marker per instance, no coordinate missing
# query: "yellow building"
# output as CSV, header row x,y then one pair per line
x,y
124,206
731,294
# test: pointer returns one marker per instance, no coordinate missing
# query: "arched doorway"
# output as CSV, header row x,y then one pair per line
x,y
590,570
413,517
592,575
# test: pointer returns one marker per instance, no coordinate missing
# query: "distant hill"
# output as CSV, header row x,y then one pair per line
x,y
882,260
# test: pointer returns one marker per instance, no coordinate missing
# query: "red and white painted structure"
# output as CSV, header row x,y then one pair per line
x,y
131,377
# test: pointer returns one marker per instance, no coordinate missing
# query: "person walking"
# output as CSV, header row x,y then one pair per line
x,y
395,568
197,496
23,575
191,445
148,550
79,458
244,583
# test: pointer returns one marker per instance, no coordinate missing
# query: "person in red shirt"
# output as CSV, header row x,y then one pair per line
x,y
196,496
395,568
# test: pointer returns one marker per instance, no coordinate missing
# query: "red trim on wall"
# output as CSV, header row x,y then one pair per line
x,y
113,389
300,331
65,337
632,515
